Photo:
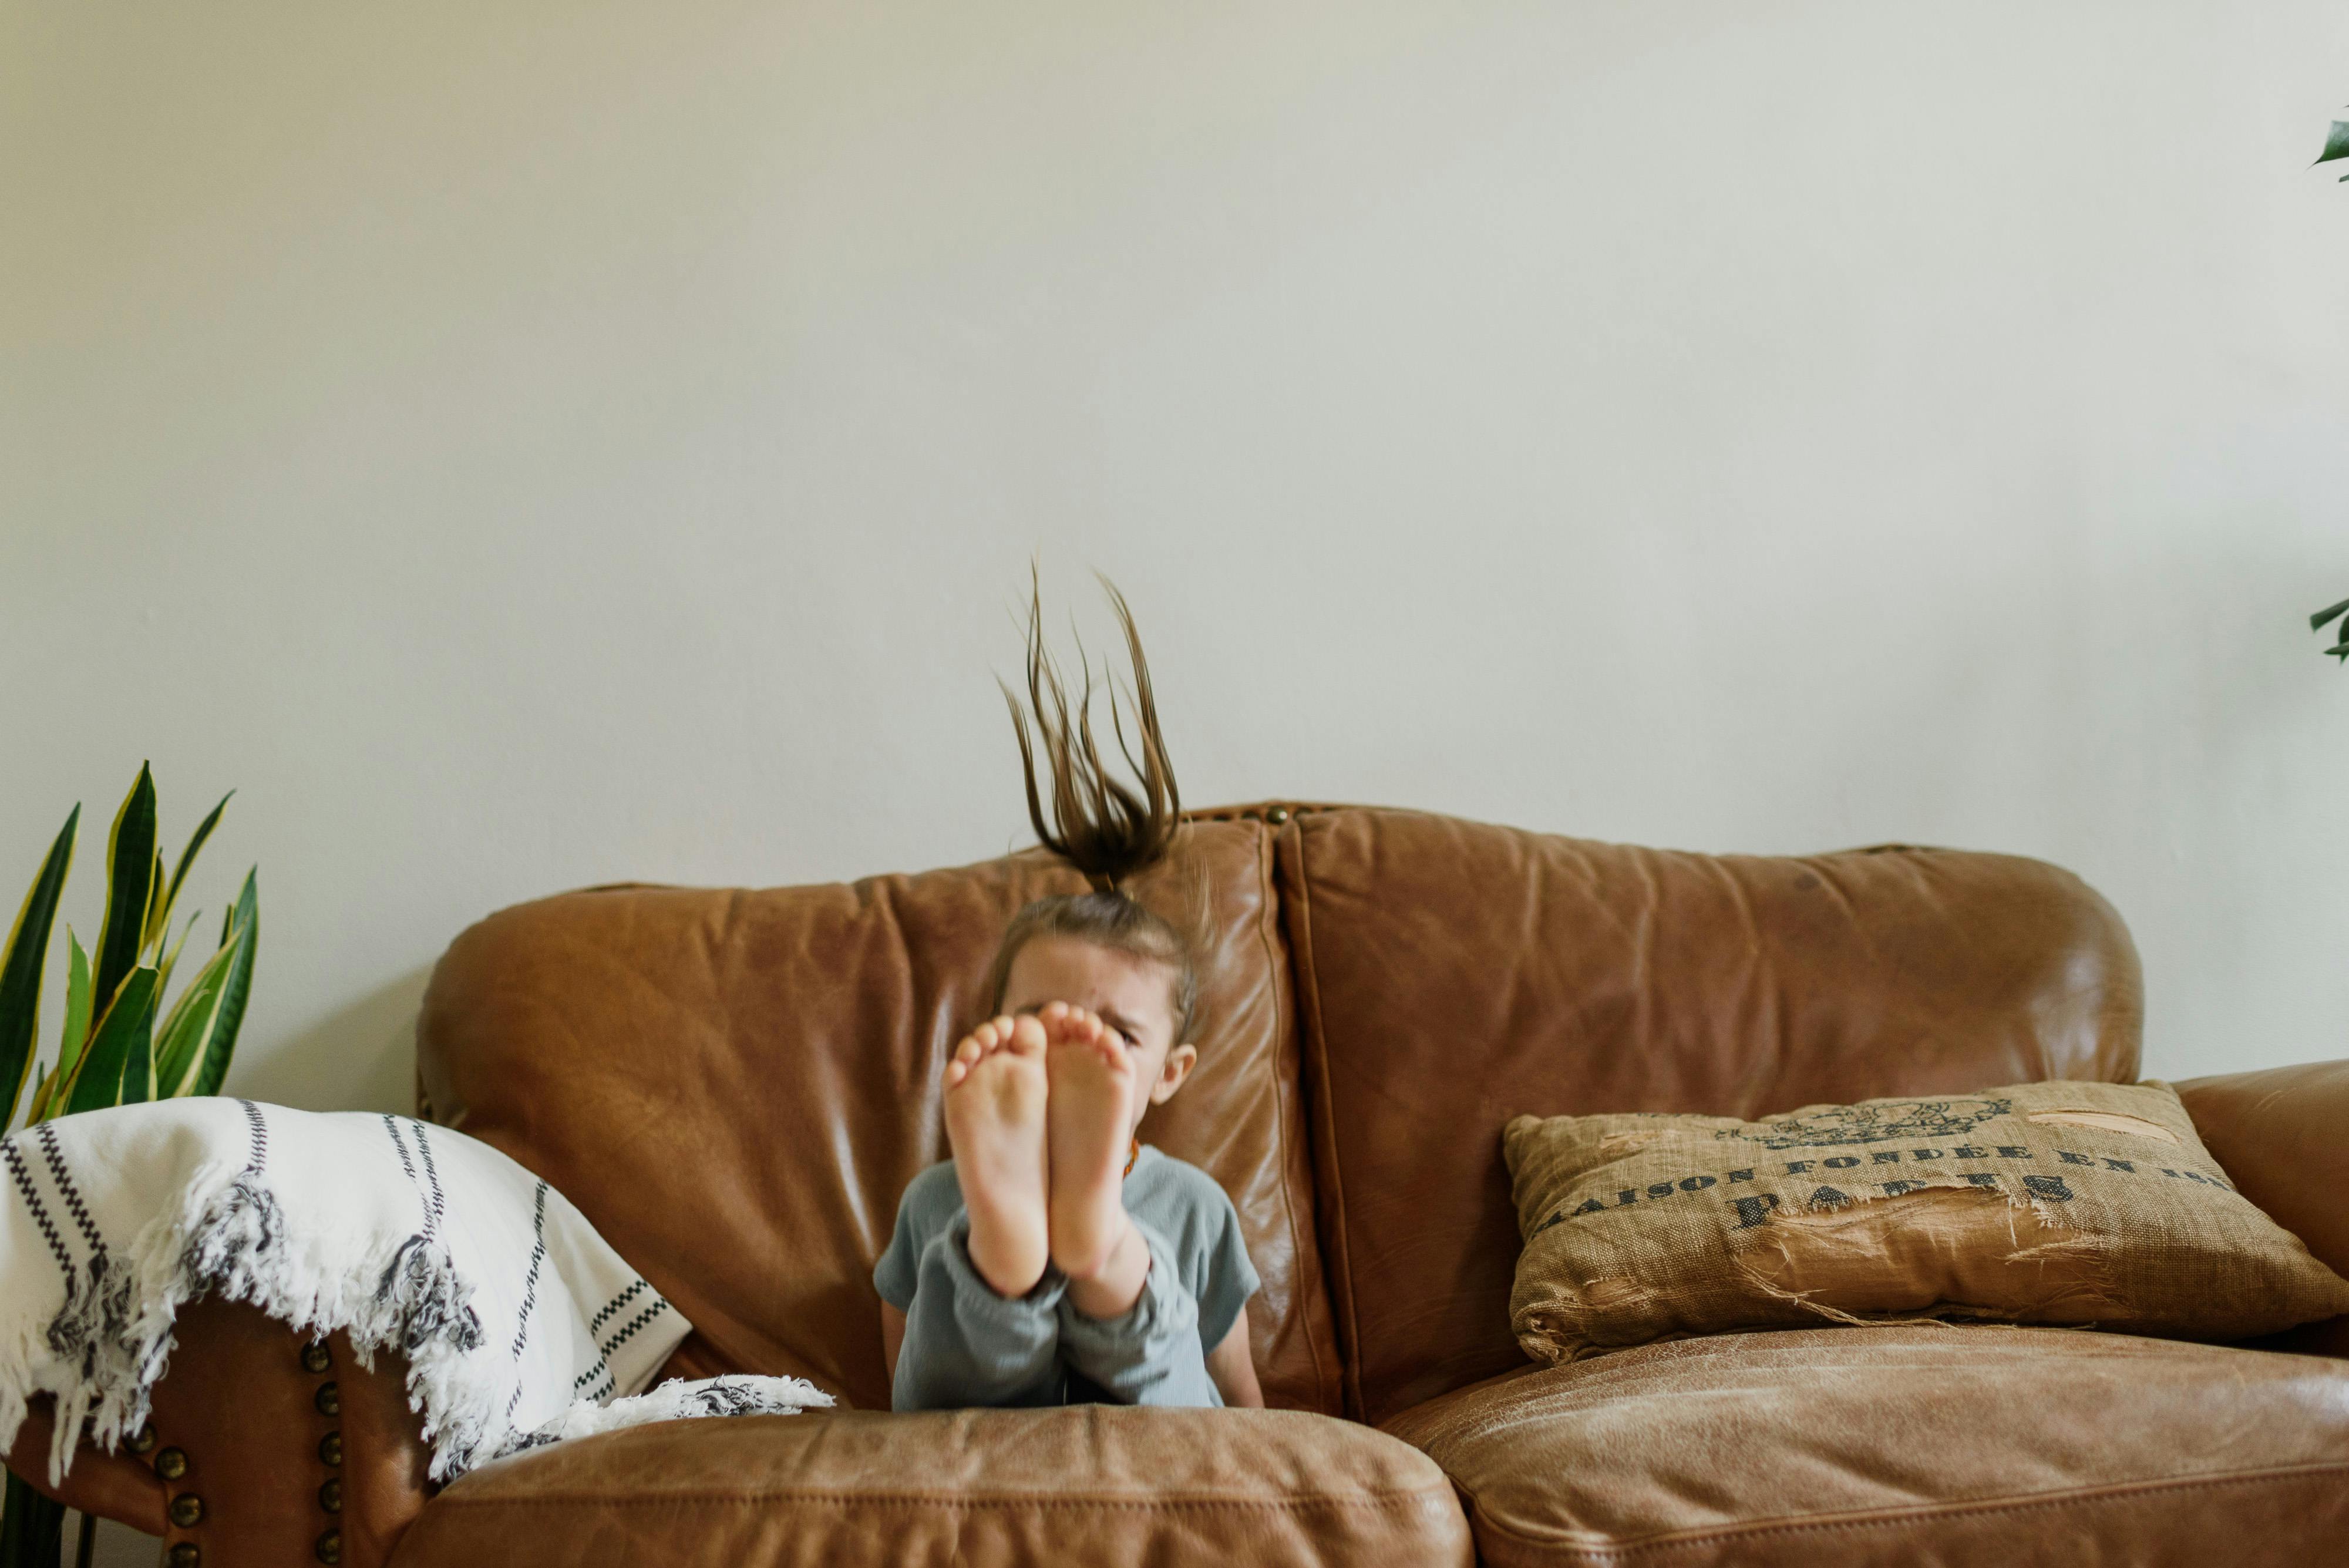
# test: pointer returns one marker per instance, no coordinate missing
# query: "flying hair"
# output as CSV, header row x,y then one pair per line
x,y
1110,830
1098,824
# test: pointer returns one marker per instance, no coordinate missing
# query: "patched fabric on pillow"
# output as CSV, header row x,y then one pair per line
x,y
2078,1203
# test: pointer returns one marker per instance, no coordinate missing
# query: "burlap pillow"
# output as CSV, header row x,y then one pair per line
x,y
2060,1203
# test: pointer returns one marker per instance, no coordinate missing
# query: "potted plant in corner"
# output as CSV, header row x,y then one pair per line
x,y
120,1043
2337,147
2317,622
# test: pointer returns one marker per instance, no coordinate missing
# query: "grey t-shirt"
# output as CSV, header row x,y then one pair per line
x,y
1176,1198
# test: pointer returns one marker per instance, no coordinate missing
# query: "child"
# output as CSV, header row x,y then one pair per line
x,y
1055,1259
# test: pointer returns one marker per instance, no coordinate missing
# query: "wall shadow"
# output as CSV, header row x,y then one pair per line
x,y
360,1057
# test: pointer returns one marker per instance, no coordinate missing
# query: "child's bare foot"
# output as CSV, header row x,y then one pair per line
x,y
1090,1102
995,1122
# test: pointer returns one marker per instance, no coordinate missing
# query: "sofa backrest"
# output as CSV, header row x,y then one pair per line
x,y
736,1086
1452,975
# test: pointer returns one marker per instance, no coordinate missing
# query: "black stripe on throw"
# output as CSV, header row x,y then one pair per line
x,y
530,1283
48,1133
96,1309
612,1307
628,1329
529,1292
258,1157
391,1125
600,1373
40,1212
432,1175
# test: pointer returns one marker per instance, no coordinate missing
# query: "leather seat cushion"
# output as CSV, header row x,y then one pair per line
x,y
1076,1484
1920,1444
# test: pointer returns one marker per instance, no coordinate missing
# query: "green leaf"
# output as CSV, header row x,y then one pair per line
x,y
151,926
171,957
2316,622
222,1043
77,1032
21,963
2336,144
130,878
39,1111
98,1077
187,1028
70,1043
188,858
138,1064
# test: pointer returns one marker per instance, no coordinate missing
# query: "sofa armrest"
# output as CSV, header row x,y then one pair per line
x,y
261,1449
2283,1136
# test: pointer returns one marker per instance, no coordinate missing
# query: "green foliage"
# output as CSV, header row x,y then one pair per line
x,y
113,1049
118,1043
241,934
2336,145
20,967
2317,622
130,885
121,1043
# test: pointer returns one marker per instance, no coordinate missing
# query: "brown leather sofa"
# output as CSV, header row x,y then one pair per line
x,y
735,1087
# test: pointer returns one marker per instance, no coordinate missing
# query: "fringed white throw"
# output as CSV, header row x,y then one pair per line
x,y
519,1324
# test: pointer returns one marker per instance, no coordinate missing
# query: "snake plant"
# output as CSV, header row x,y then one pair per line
x,y
120,1042
2337,147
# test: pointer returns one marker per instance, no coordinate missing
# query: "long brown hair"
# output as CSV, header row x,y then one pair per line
x,y
1109,830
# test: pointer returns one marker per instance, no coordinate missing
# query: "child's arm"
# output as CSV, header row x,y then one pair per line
x,y
1229,1364
893,1339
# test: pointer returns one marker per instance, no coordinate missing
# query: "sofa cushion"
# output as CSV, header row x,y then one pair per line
x,y
982,1488
2057,1203
1912,1445
1452,975
735,1087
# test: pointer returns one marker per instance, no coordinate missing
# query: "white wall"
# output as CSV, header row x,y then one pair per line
x,y
523,446
518,447
528,445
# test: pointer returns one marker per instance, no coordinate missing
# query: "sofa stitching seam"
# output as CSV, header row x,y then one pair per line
x,y
2113,1491
1418,1498
1266,929
1302,955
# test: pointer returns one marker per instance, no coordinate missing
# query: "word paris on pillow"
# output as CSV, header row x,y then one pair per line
x,y
2088,1204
